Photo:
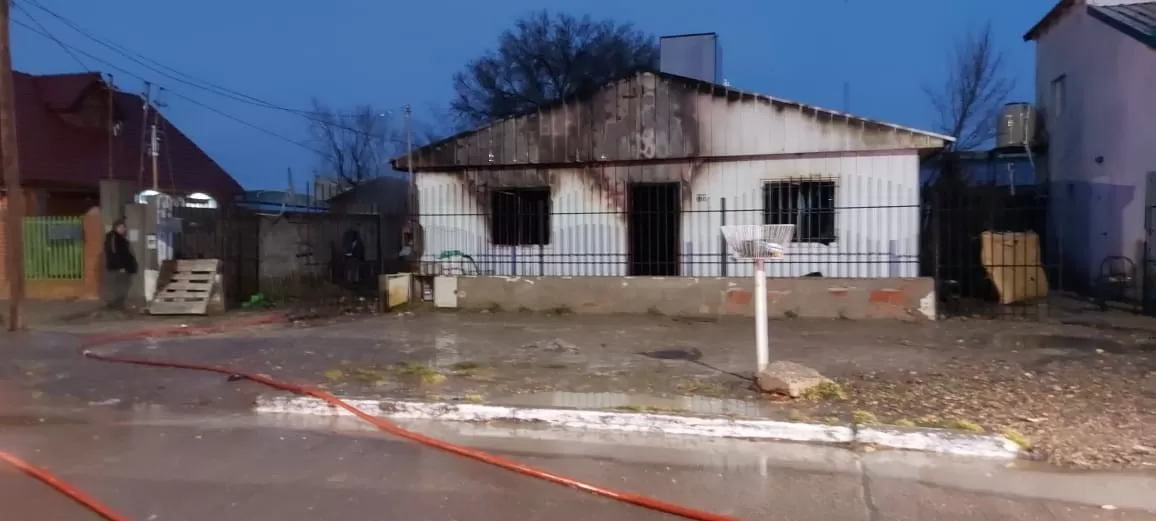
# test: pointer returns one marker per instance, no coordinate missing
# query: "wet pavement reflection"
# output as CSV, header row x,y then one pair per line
x,y
154,464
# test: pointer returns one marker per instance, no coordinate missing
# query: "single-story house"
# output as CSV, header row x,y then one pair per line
x,y
74,130
1095,68
638,177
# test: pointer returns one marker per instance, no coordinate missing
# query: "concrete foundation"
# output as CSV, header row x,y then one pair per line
x,y
890,298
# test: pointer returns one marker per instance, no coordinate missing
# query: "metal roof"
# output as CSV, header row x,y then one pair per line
x,y
1135,20
713,88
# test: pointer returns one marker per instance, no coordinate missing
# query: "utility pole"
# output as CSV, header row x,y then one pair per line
x,y
144,119
154,149
111,123
9,162
409,155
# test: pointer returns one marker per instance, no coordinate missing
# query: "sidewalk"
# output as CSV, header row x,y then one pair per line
x,y
1079,395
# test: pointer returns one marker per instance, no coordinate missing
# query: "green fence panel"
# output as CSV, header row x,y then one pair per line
x,y
53,248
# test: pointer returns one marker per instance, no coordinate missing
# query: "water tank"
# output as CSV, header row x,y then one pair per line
x,y
697,56
1017,126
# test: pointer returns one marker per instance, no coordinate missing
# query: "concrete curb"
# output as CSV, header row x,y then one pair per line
x,y
927,440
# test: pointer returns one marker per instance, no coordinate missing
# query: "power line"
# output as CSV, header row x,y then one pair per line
x,y
174,93
207,86
58,42
168,72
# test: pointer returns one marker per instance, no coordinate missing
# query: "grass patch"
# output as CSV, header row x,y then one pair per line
x,y
424,373
465,366
333,375
965,426
864,418
828,390
933,422
1017,438
903,422
473,398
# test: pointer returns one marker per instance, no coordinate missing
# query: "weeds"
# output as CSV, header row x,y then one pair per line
x,y
828,390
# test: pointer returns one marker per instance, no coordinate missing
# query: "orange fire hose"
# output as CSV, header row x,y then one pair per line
x,y
64,488
80,497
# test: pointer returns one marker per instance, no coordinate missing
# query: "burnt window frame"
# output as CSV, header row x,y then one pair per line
x,y
815,225
520,216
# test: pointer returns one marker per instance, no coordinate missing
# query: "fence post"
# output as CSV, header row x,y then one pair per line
x,y
721,240
93,253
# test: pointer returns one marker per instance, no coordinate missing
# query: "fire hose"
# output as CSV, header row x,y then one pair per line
x,y
105,512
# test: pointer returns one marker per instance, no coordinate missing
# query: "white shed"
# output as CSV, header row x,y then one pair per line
x,y
637,178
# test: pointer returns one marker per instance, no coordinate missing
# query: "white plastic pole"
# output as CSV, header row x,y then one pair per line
x,y
762,350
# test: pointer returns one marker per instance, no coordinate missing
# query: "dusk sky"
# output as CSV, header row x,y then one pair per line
x,y
350,52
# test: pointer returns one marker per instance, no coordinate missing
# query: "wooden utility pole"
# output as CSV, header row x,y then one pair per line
x,y
154,150
9,162
144,118
110,122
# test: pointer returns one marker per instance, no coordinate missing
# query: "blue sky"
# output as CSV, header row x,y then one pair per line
x,y
350,52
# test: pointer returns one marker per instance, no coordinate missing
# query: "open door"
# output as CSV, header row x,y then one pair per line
x,y
654,217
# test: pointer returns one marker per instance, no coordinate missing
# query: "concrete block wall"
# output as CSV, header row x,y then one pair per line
x,y
860,298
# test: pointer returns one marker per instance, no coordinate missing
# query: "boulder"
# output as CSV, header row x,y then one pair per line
x,y
789,378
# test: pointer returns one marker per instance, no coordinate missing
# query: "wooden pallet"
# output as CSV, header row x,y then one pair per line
x,y
186,287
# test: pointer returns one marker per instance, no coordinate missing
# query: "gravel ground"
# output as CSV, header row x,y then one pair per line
x,y
1077,395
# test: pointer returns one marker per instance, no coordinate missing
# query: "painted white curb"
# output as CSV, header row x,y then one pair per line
x,y
930,440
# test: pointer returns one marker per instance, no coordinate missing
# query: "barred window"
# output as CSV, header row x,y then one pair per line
x,y
809,205
520,216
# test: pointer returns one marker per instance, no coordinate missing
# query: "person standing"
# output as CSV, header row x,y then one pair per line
x,y
119,264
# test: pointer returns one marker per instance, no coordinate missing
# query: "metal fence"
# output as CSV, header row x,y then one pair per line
x,y
989,251
844,228
316,262
849,227
53,248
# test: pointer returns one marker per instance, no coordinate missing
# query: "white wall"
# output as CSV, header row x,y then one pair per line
x,y
1110,112
877,221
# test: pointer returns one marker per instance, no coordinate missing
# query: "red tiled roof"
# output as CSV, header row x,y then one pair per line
x,y
56,152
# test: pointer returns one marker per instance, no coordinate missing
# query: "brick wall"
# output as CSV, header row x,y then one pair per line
x,y
88,288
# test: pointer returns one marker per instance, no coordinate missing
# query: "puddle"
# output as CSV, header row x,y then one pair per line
x,y
1074,345
33,420
446,350
699,405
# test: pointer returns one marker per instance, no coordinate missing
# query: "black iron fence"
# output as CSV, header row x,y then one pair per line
x,y
989,251
312,261
841,229
986,246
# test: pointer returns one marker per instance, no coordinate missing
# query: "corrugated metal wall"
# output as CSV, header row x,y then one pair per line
x,y
876,208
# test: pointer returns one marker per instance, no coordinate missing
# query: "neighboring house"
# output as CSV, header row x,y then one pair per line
x,y
278,201
385,197
1095,72
63,134
989,168
636,179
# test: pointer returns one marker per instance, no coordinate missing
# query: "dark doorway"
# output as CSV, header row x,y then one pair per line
x,y
654,212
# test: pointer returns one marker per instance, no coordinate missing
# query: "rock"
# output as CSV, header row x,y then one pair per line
x,y
789,378
556,345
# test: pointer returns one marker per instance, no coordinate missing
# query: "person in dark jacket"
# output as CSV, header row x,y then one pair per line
x,y
119,264
354,252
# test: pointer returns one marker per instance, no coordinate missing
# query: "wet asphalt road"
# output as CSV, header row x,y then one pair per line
x,y
160,467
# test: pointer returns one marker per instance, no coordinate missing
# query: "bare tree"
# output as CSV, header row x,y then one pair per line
x,y
355,146
976,87
544,58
